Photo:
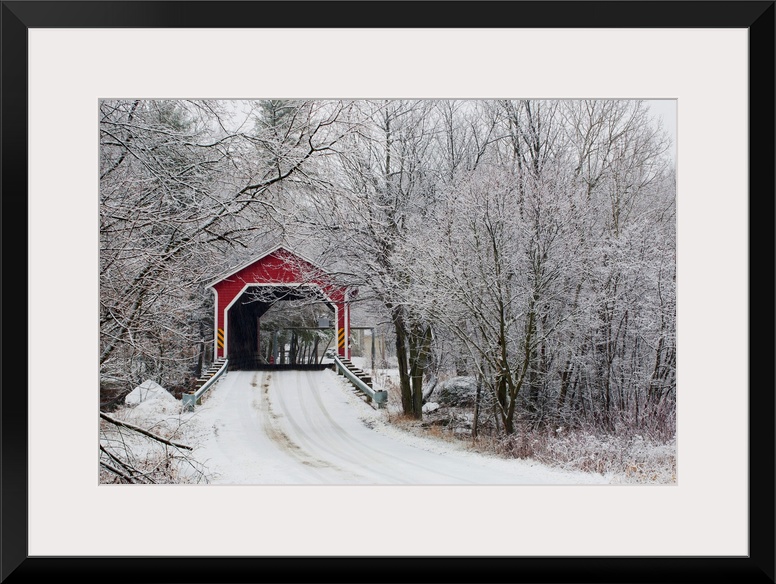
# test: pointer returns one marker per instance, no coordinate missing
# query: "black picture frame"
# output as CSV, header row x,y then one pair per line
x,y
756,16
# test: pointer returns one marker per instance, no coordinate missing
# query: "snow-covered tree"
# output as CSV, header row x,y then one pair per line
x,y
184,190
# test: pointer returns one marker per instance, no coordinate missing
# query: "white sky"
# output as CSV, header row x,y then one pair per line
x,y
665,110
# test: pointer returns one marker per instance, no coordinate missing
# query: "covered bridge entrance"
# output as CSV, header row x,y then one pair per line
x,y
247,292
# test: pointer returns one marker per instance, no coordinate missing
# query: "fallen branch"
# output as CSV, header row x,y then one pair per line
x,y
117,472
130,469
156,437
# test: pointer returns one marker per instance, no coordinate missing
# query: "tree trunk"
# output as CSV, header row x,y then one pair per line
x,y
200,360
420,347
477,394
401,357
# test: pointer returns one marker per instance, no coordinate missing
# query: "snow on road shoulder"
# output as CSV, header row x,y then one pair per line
x,y
378,421
353,403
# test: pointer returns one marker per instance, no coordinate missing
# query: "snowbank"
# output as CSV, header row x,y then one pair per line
x,y
147,391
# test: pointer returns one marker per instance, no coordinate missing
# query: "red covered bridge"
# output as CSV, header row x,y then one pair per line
x,y
248,291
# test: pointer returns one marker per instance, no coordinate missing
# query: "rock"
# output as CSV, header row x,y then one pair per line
x,y
430,407
457,391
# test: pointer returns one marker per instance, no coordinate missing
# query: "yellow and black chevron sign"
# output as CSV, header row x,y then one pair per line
x,y
341,338
220,338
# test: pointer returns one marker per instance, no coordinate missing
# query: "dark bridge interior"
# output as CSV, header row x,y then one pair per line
x,y
244,342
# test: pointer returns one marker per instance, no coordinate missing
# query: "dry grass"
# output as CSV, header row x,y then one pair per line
x,y
625,458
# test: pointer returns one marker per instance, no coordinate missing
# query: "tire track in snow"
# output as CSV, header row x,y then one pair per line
x,y
273,431
351,443
308,442
351,449
380,458
241,436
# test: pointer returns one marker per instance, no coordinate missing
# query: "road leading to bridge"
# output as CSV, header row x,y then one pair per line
x,y
306,427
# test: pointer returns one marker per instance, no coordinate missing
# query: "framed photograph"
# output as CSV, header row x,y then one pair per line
x,y
710,62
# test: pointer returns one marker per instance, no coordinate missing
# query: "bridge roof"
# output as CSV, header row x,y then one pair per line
x,y
279,252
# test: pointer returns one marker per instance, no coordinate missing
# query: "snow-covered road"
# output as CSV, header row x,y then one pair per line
x,y
308,427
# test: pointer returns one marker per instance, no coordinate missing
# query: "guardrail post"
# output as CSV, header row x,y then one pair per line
x,y
381,398
188,400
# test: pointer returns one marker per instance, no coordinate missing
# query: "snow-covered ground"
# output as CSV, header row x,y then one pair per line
x,y
311,427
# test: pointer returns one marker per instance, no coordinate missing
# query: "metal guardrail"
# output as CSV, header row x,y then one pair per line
x,y
189,400
380,397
